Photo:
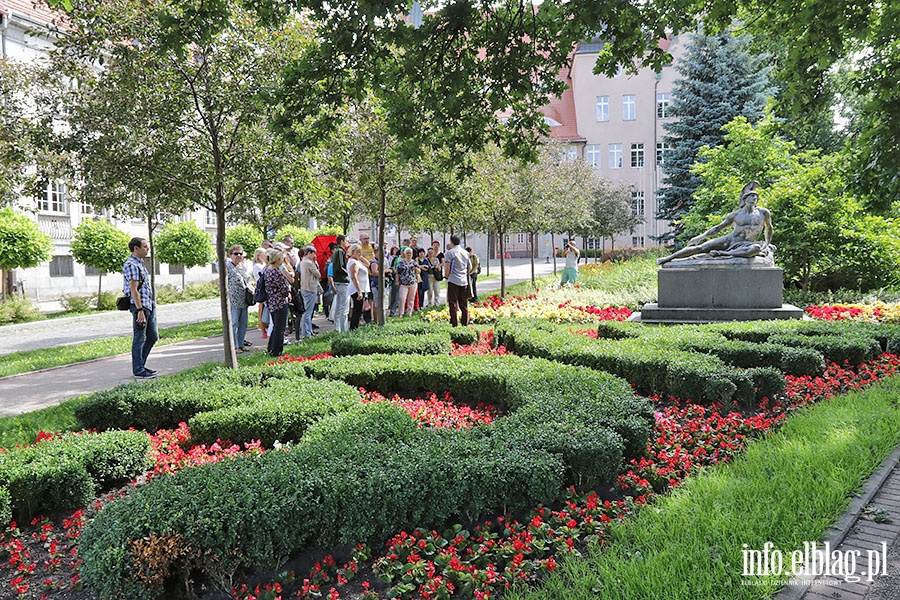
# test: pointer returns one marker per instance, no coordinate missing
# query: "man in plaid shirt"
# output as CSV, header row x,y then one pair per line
x,y
143,307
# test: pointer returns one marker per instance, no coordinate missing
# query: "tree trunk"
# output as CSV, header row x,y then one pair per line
x,y
99,290
533,240
502,266
379,253
224,305
183,269
151,225
553,249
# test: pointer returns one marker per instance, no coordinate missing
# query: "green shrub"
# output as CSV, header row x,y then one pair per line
x,y
284,414
106,301
18,309
170,294
359,475
411,337
854,349
5,506
69,471
768,381
164,403
652,363
77,304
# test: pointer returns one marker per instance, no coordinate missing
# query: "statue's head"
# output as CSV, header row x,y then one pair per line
x,y
747,191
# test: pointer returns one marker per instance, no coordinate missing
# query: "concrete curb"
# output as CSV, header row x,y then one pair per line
x,y
845,522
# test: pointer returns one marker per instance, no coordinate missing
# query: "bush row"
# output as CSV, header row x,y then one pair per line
x,y
650,366
366,472
282,412
254,403
166,402
412,337
838,341
70,471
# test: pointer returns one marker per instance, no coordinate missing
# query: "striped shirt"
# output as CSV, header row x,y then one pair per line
x,y
134,270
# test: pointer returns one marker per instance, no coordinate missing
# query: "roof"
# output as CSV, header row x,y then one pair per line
x,y
562,111
35,10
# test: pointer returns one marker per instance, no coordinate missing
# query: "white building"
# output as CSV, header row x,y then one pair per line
x,y
26,33
614,124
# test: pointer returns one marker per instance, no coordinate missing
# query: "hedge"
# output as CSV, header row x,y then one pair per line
x,y
650,366
164,403
281,412
839,341
344,485
364,473
411,337
508,382
70,471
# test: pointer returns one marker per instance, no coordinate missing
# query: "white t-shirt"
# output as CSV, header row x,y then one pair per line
x,y
571,260
362,275
458,259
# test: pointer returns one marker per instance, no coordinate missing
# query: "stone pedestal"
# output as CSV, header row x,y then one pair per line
x,y
691,293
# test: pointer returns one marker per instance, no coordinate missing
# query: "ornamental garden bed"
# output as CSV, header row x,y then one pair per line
x,y
364,467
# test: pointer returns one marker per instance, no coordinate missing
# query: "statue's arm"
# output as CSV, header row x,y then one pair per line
x,y
767,223
712,230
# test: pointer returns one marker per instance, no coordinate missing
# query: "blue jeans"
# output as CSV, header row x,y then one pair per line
x,y
144,338
309,303
341,299
239,325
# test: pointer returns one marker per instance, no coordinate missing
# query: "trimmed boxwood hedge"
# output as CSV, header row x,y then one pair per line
x,y
282,412
508,382
366,472
69,471
649,365
166,402
410,337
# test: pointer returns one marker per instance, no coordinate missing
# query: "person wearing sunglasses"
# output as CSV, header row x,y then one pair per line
x,y
239,281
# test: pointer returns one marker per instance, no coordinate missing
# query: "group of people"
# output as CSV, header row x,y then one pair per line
x,y
287,285
412,279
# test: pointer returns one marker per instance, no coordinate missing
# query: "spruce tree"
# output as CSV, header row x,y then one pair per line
x,y
719,79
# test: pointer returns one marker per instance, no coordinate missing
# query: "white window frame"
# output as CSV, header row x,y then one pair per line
x,y
661,149
602,109
637,241
629,107
637,155
55,199
663,106
615,156
637,203
593,155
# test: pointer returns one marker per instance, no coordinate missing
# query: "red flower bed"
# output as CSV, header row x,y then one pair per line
x,y
171,450
438,414
484,345
44,560
289,359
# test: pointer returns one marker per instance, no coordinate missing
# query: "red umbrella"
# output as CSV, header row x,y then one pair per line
x,y
323,252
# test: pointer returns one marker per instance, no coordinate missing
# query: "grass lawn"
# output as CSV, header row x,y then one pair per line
x,y
787,488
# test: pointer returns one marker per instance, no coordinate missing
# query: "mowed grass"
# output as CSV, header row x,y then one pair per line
x,y
631,283
787,488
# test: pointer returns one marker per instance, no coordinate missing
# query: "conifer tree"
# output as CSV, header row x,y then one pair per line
x,y
719,80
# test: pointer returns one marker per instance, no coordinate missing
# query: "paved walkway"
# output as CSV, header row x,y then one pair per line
x,y
32,391
867,538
